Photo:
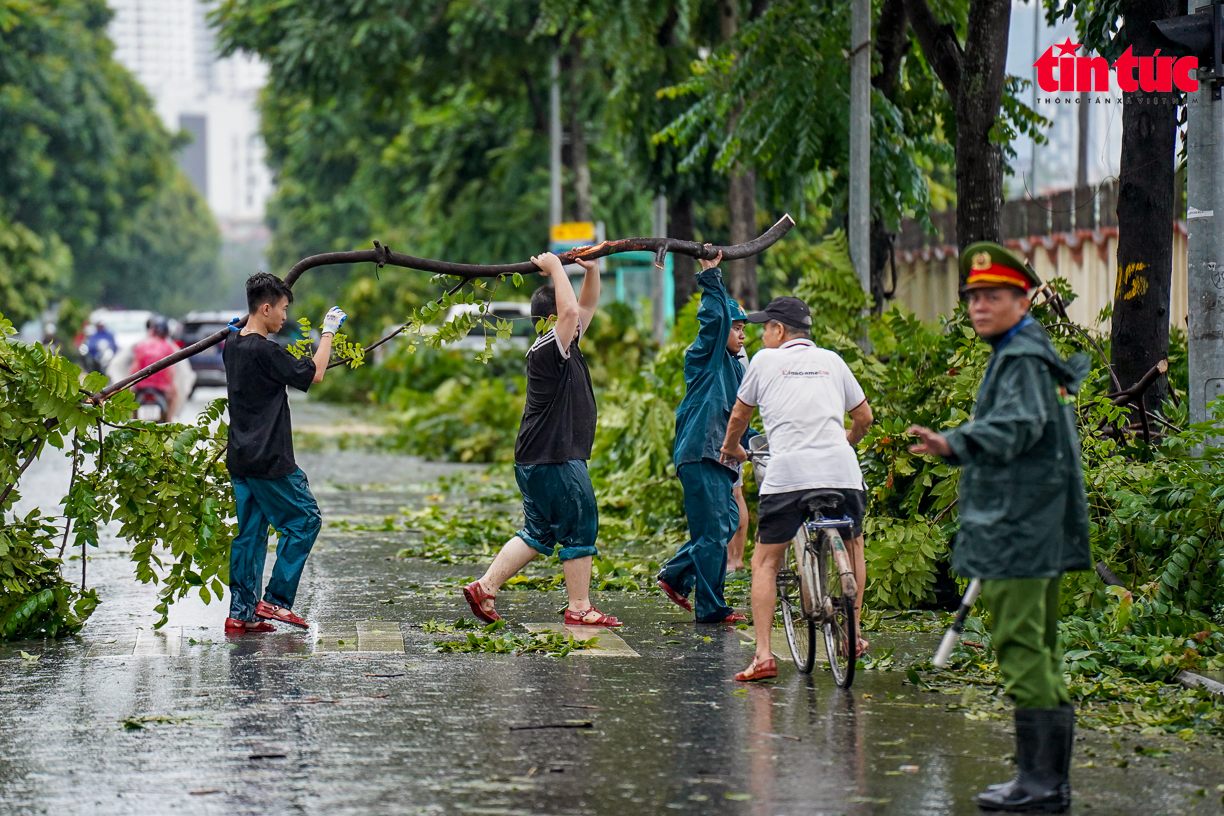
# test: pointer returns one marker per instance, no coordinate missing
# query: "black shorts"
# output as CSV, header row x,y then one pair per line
x,y
779,514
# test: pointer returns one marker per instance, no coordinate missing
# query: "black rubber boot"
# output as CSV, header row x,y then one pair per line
x,y
1066,729
1066,725
1042,759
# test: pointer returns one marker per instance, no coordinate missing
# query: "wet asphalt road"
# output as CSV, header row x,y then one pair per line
x,y
264,725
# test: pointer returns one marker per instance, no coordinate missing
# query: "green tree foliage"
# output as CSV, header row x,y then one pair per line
x,y
30,269
168,258
422,125
86,164
163,484
644,46
822,276
784,83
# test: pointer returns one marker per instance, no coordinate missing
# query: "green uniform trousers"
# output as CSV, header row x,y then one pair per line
x,y
1024,632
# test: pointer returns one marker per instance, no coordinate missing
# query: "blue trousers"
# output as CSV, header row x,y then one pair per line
x,y
713,516
559,508
288,505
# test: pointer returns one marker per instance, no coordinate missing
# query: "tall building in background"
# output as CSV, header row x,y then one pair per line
x,y
170,48
1041,170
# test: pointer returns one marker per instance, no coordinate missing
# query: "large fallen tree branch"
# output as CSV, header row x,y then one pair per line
x,y
383,256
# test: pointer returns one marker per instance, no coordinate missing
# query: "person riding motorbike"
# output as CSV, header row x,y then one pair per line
x,y
148,351
98,349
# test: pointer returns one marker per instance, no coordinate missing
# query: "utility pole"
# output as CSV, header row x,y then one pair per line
x,y
1205,195
659,230
860,141
1081,158
1033,104
554,141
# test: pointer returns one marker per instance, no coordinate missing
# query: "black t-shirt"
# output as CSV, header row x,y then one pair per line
x,y
559,417
256,373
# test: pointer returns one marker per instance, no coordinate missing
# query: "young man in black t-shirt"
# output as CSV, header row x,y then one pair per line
x,y
554,442
269,487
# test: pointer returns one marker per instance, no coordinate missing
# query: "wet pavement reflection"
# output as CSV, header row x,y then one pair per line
x,y
188,721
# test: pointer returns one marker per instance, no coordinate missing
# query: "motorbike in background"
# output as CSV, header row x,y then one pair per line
x,y
95,357
152,405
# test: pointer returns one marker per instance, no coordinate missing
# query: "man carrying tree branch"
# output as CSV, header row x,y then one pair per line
x,y
1023,514
269,488
550,455
712,375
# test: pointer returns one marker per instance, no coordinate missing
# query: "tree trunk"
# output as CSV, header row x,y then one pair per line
x,y
881,254
891,43
578,146
741,191
979,161
973,77
741,201
681,224
1146,211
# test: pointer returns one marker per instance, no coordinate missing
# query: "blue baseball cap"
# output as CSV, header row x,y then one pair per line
x,y
737,311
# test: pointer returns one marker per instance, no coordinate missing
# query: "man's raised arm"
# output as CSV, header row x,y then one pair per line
x,y
568,311
588,299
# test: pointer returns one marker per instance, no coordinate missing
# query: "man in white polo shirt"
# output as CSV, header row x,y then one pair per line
x,y
804,393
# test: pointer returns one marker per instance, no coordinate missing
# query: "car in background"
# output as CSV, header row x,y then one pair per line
x,y
522,327
208,366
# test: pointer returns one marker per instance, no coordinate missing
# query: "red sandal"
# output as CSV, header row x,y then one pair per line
x,y
233,626
579,619
475,595
758,671
678,599
269,612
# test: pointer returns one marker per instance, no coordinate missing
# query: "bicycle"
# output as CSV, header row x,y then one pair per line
x,y
816,585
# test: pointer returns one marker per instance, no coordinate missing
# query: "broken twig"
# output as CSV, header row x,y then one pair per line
x,y
569,724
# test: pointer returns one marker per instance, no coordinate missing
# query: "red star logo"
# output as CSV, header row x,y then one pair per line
x,y
1067,47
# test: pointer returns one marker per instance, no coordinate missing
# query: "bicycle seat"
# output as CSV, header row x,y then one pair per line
x,y
826,503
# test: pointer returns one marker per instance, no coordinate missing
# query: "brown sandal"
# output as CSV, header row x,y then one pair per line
x,y
758,671
475,595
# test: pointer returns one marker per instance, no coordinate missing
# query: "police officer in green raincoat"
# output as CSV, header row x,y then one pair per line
x,y
712,374
1023,516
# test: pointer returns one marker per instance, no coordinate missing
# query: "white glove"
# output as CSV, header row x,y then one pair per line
x,y
333,320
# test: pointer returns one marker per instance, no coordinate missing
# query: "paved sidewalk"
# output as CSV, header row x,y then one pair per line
x,y
127,721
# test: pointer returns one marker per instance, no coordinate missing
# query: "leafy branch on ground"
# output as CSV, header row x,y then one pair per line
x,y
493,639
1119,680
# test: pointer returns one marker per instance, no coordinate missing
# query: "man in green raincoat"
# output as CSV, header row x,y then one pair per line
x,y
1023,516
712,374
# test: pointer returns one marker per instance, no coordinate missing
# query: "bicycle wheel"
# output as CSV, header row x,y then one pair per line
x,y
839,608
800,629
